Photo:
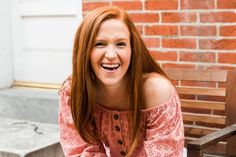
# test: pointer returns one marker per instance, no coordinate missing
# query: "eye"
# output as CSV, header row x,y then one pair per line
x,y
121,44
100,44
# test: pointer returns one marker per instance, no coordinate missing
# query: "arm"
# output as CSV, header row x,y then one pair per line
x,y
71,142
164,124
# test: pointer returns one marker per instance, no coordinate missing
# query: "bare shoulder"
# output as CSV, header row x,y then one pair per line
x,y
157,90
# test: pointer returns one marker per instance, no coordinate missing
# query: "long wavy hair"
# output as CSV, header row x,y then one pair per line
x,y
83,93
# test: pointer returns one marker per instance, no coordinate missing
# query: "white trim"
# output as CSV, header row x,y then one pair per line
x,y
6,74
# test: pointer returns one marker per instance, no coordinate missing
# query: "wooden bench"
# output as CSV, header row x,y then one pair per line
x,y
208,99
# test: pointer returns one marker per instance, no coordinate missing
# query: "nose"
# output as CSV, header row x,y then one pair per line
x,y
110,53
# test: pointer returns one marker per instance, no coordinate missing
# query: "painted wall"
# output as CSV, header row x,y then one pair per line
x,y
6,73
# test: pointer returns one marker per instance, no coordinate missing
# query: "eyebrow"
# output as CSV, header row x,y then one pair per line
x,y
118,39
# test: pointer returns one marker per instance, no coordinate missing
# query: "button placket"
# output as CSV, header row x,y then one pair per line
x,y
116,116
116,121
120,142
123,153
117,127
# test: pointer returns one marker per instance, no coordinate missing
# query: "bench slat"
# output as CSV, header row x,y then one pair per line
x,y
206,118
199,104
198,130
197,75
208,85
201,91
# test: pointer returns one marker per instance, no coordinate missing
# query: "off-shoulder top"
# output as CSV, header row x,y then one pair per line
x,y
161,135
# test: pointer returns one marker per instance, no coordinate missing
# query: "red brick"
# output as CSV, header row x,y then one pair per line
x,y
184,96
178,17
88,6
182,66
128,5
152,42
164,56
161,4
198,30
175,82
146,17
197,4
198,110
139,29
227,58
222,84
161,30
179,43
218,112
226,4
218,17
223,44
228,31
197,57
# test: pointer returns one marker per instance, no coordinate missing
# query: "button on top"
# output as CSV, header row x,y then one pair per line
x,y
116,116
120,142
122,153
117,128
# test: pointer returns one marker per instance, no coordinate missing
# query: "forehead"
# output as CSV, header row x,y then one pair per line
x,y
113,28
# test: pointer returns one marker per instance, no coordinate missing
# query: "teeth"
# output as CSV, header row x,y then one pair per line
x,y
110,65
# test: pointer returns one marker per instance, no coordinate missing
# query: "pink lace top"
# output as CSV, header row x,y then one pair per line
x,y
161,135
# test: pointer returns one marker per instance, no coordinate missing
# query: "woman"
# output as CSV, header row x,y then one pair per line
x,y
118,101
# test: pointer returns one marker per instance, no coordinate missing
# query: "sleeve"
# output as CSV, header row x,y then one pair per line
x,y
164,130
71,142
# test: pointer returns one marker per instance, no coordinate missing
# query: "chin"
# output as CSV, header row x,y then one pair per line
x,y
110,82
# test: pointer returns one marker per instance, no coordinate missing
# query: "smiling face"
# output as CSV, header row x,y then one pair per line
x,y
110,57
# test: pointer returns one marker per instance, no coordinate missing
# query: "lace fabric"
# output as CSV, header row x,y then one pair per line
x,y
161,135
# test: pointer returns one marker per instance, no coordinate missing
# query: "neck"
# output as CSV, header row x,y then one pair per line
x,y
114,97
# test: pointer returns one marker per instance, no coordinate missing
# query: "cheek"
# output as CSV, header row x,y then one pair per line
x,y
129,59
128,56
94,57
93,60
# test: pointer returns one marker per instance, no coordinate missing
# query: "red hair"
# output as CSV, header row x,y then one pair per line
x,y
82,91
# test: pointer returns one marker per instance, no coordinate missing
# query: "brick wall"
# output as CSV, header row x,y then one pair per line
x,y
197,34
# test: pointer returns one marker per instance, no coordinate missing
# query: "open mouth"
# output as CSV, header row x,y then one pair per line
x,y
110,67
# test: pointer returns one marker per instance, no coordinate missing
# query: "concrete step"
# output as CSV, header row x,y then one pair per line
x,y
40,105
28,123
20,138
